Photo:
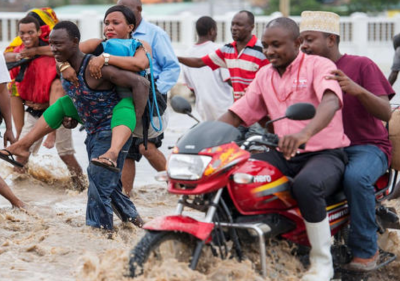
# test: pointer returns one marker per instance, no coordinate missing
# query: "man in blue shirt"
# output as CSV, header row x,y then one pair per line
x,y
166,73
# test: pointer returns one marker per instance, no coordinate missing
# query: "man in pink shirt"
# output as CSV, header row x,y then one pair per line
x,y
294,77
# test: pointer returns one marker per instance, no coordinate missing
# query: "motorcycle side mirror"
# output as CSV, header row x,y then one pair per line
x,y
181,105
300,111
297,111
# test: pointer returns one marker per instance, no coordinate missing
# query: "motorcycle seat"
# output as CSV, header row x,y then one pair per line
x,y
335,198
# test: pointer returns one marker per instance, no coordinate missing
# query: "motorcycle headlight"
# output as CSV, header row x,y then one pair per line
x,y
187,167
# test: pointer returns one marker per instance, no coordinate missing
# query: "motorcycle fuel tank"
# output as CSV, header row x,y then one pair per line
x,y
266,189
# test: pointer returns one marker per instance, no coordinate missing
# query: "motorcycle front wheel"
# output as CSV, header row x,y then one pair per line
x,y
157,246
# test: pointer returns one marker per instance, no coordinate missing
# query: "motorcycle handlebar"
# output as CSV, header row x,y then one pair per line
x,y
267,139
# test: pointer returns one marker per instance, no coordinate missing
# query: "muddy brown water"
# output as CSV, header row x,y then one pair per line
x,y
51,241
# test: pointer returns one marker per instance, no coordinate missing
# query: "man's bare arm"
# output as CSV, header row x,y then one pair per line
x,y
393,77
231,118
40,51
378,106
36,51
191,62
12,57
28,53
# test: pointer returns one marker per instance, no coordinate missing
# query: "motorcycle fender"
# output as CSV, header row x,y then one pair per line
x,y
198,229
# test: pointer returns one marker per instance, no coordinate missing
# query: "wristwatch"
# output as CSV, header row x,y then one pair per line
x,y
106,58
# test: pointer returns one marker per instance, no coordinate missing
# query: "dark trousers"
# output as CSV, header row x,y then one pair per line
x,y
316,175
105,187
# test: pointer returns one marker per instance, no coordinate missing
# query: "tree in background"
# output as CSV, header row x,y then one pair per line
x,y
370,5
56,3
365,6
296,6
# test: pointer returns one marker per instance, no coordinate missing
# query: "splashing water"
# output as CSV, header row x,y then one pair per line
x,y
51,242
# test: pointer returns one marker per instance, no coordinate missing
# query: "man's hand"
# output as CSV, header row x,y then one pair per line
x,y
95,65
347,85
69,74
8,137
28,52
70,123
289,144
37,106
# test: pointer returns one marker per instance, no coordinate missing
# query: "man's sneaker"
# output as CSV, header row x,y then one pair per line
x,y
360,264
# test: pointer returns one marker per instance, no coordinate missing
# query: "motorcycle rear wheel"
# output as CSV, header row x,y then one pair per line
x,y
157,246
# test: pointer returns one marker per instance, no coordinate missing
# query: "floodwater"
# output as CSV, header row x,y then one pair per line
x,y
51,242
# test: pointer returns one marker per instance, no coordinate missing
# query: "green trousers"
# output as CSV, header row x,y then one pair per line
x,y
123,113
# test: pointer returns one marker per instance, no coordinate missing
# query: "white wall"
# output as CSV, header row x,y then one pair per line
x,y
360,34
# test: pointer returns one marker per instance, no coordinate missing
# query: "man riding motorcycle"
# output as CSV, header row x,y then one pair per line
x,y
366,94
317,170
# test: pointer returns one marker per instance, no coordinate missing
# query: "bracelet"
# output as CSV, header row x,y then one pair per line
x,y
64,67
60,64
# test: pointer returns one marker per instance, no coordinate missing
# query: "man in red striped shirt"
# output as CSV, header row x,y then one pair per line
x,y
243,57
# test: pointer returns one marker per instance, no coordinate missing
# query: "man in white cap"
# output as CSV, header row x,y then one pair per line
x,y
317,170
366,94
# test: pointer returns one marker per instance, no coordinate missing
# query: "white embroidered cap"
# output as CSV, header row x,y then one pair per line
x,y
320,21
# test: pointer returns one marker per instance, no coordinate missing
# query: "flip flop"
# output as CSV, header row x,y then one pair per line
x,y
10,158
111,166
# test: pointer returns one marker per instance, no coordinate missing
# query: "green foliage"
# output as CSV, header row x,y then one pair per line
x,y
56,3
296,6
96,2
370,5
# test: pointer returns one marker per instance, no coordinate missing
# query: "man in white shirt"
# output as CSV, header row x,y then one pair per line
x,y
212,90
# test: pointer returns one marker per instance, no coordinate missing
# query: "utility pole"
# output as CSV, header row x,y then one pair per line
x,y
284,7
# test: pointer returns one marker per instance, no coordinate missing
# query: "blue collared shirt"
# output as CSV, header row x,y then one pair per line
x,y
166,67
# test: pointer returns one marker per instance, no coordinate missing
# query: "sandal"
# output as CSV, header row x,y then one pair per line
x,y
10,158
111,165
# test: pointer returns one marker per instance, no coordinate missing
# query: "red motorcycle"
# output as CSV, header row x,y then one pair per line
x,y
244,201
